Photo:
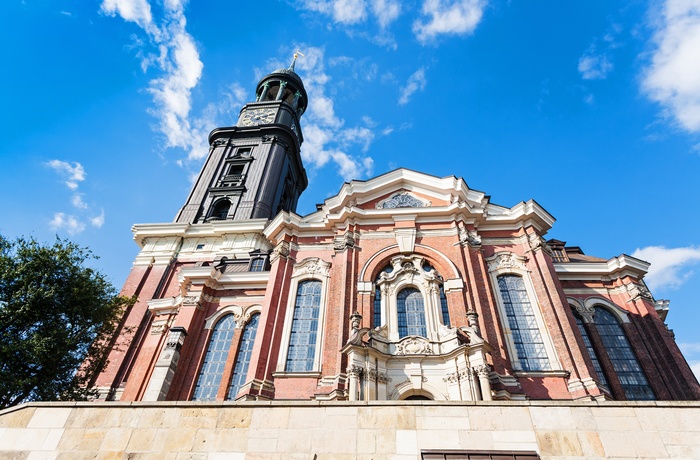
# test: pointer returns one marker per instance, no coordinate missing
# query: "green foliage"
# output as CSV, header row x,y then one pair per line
x,y
56,320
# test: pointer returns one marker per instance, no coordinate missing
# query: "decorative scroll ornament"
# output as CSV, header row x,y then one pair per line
x,y
586,313
482,370
312,266
344,241
537,242
380,331
414,346
506,261
281,250
354,371
637,291
470,237
220,141
455,377
158,328
375,376
402,200
241,319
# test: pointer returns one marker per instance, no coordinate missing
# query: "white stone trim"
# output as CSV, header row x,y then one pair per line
x,y
621,314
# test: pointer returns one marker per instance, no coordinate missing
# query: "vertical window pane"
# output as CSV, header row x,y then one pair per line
x,y
443,306
411,313
377,313
591,351
245,351
257,265
527,337
629,372
214,360
302,341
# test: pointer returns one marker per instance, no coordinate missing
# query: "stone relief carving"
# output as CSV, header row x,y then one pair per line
x,y
402,199
158,328
506,260
586,313
637,291
537,242
482,370
414,346
344,241
381,331
470,237
375,376
354,371
176,339
281,250
473,320
312,266
455,377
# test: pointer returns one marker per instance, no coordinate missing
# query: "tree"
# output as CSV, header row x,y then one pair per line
x,y
56,320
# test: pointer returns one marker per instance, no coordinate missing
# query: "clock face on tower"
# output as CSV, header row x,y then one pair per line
x,y
255,117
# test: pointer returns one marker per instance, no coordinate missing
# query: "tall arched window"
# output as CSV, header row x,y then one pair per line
x,y
245,350
591,351
629,372
209,378
302,340
522,322
410,313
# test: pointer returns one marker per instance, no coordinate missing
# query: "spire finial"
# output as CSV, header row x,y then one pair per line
x,y
294,60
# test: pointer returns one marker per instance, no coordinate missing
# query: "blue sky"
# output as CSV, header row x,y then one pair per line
x,y
591,108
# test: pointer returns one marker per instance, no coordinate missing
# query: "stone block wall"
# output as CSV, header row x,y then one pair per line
x,y
344,430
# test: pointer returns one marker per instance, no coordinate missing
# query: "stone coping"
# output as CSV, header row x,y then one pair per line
x,y
297,403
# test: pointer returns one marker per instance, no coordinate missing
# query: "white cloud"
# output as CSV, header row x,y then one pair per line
x,y
352,12
72,173
68,223
138,11
594,66
449,17
66,13
415,83
386,11
689,347
672,78
174,53
77,201
669,267
98,221
695,367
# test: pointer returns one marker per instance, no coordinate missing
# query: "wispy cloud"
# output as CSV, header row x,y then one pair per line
x,y
594,66
672,78
175,55
72,173
670,267
448,17
352,12
68,223
416,82
99,220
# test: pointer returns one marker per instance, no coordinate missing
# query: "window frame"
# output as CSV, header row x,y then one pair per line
x,y
311,268
508,263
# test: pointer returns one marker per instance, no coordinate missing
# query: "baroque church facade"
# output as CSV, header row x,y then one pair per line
x,y
405,286
407,318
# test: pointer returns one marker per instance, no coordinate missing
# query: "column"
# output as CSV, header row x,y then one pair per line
x,y
164,369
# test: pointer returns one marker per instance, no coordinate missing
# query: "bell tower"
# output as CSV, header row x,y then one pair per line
x,y
254,169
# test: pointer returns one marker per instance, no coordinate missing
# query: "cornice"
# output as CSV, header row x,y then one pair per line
x,y
614,268
183,230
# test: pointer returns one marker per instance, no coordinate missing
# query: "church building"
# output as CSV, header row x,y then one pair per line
x,y
403,286
407,318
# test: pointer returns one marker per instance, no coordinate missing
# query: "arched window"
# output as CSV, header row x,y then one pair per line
x,y
443,307
220,210
410,313
209,378
245,350
629,372
522,322
591,351
302,340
